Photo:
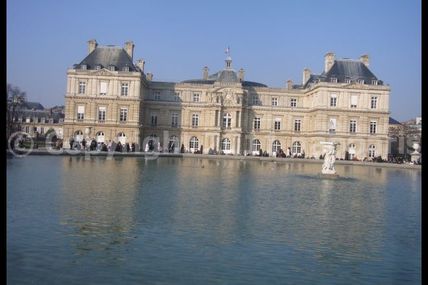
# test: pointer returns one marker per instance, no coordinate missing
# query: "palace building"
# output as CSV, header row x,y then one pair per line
x,y
110,98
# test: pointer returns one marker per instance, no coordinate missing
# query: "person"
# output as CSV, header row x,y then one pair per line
x,y
133,147
109,146
84,144
71,141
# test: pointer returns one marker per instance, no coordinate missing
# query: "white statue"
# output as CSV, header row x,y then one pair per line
x,y
329,158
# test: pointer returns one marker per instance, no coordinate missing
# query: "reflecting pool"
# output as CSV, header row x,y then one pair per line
x,y
128,220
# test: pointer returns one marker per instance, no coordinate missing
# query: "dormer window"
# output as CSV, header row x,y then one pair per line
x,y
112,68
125,68
374,82
98,67
333,80
361,81
347,80
83,67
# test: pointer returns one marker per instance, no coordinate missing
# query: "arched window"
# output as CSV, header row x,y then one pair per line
x,y
372,150
276,146
296,148
173,144
121,137
225,144
256,145
227,120
194,144
78,136
100,137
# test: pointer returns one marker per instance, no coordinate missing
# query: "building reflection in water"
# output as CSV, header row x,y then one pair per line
x,y
98,202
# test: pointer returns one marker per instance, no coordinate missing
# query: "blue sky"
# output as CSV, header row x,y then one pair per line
x,y
272,40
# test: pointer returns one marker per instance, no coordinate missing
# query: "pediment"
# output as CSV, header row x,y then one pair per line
x,y
102,72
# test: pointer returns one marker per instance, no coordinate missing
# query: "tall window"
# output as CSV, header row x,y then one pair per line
x,y
354,100
157,95
82,87
257,124
274,101
154,120
277,124
174,120
177,96
293,102
297,125
333,100
373,102
256,145
372,127
194,143
216,118
124,89
296,148
238,117
276,146
80,112
332,125
195,120
225,144
103,88
227,121
123,117
101,114
372,150
196,97
255,100
352,126
351,151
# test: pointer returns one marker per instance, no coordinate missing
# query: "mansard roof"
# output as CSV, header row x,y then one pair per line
x,y
32,106
343,70
392,121
227,76
106,56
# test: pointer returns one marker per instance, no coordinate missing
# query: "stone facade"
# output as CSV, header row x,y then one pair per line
x,y
222,112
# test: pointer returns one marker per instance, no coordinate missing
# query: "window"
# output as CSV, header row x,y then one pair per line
x,y
157,95
354,100
82,87
216,117
277,124
293,102
257,124
195,97
372,151
274,101
193,144
195,120
80,113
154,120
255,100
352,126
361,81
347,80
42,130
84,67
125,68
122,138
351,151
374,82
227,121
276,146
297,125
177,96
123,114
225,144
256,145
373,127
98,67
112,67
238,118
124,89
103,88
333,100
296,148
78,136
174,120
333,80
332,125
373,102
100,137
101,114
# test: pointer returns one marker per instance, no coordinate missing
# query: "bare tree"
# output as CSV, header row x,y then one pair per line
x,y
15,100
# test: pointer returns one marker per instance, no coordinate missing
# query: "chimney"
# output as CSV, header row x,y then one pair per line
x,y
306,75
140,64
149,76
365,59
289,84
328,61
92,44
205,73
241,74
129,48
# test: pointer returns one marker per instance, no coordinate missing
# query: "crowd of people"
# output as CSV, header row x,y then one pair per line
x,y
93,145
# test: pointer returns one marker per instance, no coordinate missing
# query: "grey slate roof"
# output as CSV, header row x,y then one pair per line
x,y
225,75
32,106
393,121
346,69
106,56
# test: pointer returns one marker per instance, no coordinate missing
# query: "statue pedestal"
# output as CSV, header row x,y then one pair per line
x,y
415,156
329,158
328,176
